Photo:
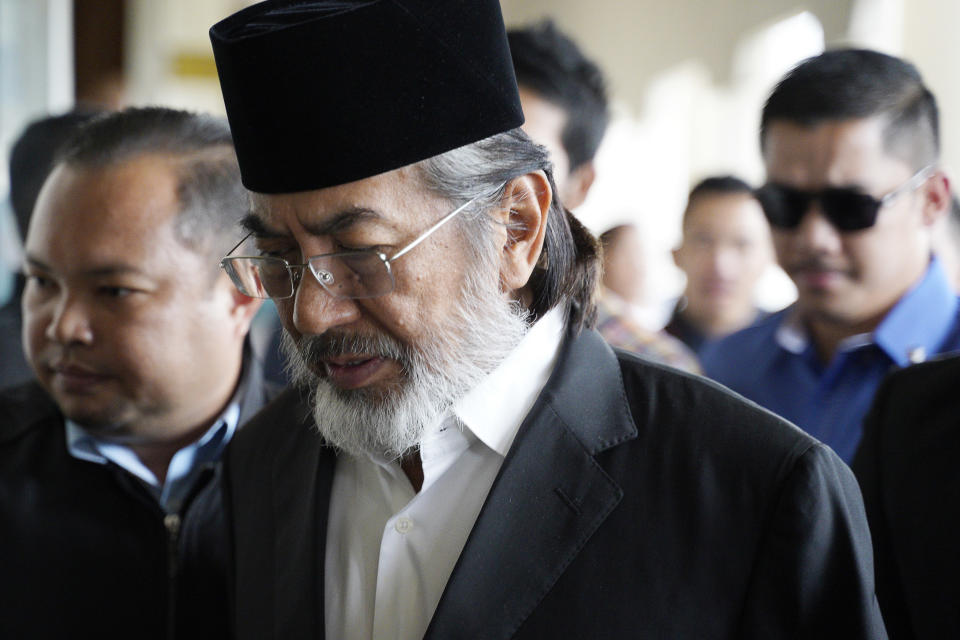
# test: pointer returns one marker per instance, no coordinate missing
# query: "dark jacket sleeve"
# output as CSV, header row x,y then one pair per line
x,y
813,576
866,466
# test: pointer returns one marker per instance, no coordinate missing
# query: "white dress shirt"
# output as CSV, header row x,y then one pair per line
x,y
391,550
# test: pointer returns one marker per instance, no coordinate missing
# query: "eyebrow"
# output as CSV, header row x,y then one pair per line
x,y
104,270
338,223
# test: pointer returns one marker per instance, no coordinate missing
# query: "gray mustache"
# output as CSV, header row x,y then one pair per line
x,y
316,349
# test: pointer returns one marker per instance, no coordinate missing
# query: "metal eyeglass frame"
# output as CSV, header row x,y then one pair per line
x,y
324,277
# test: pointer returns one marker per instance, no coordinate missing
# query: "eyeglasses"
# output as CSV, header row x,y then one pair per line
x,y
847,209
346,274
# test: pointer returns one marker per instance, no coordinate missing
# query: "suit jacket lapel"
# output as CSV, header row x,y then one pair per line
x,y
284,519
300,538
549,498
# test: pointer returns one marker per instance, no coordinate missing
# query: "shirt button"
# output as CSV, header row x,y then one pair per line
x,y
403,525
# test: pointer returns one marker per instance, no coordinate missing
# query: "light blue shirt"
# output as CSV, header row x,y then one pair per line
x,y
775,364
185,466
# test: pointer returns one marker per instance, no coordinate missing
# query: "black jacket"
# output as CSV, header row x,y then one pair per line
x,y
908,465
635,502
85,550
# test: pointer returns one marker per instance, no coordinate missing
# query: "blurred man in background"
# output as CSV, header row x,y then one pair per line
x,y
621,293
138,344
564,100
724,250
850,139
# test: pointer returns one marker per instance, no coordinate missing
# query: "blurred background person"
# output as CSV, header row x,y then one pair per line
x,y
619,316
564,99
854,189
724,250
31,159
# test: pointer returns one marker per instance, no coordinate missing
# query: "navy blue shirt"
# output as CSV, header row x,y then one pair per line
x,y
775,364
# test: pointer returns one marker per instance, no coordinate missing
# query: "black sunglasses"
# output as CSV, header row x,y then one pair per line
x,y
847,208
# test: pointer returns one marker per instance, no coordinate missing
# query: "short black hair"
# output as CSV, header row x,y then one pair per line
x,y
852,84
551,64
212,198
32,158
715,185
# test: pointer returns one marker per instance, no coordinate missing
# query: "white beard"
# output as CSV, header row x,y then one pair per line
x,y
450,361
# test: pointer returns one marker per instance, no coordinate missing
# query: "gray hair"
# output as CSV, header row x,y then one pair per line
x,y
212,198
568,269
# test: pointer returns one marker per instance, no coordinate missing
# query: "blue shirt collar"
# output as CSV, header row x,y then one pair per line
x,y
919,323
912,330
185,466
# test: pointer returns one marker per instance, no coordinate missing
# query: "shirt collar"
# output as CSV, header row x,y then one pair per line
x,y
494,409
918,324
912,330
791,335
184,465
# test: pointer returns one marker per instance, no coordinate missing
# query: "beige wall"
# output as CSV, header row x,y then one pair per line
x,y
931,39
635,41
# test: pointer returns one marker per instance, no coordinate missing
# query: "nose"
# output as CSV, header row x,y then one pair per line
x,y
70,322
315,310
815,233
724,261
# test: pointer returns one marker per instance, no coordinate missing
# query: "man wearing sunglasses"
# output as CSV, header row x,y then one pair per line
x,y
851,147
465,457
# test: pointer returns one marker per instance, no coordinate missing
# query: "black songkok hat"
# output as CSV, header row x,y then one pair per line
x,y
327,92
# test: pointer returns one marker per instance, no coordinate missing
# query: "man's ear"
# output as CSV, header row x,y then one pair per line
x,y
577,185
523,213
240,308
936,198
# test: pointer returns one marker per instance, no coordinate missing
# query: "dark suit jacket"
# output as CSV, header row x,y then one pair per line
x,y
85,550
908,465
635,502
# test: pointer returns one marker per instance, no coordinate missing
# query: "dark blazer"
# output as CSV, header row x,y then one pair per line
x,y
85,550
908,466
635,502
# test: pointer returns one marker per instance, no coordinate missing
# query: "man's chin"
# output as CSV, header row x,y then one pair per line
x,y
101,422
831,310
375,396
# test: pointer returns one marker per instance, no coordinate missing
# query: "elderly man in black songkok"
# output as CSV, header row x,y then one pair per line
x,y
466,457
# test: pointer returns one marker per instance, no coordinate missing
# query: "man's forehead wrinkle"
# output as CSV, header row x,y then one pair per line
x,y
342,220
